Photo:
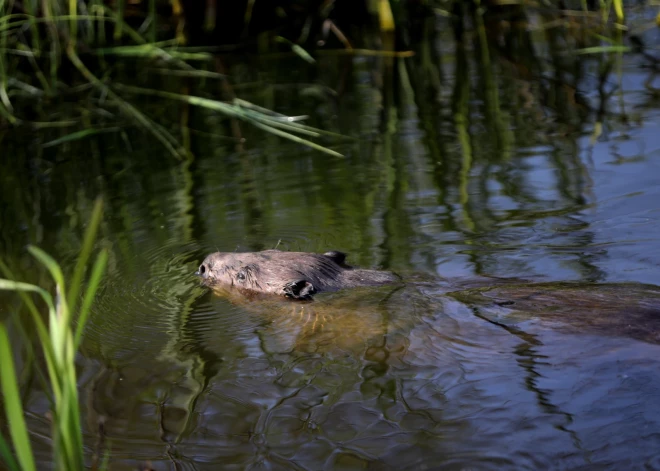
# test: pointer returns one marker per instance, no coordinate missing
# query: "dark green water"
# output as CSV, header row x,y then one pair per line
x,y
458,168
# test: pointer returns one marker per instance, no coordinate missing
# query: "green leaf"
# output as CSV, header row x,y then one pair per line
x,y
19,286
78,135
251,114
63,424
7,456
302,53
59,317
42,331
297,50
49,262
85,252
603,49
297,139
94,281
13,406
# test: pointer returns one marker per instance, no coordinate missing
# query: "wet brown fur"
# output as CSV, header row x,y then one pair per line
x,y
297,275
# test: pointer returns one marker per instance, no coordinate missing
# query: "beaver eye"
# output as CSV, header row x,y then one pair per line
x,y
240,276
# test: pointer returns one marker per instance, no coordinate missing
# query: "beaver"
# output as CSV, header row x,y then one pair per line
x,y
295,275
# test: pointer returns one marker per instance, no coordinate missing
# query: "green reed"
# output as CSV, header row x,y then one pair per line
x,y
35,65
41,40
59,339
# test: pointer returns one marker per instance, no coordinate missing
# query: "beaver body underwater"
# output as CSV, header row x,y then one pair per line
x,y
296,275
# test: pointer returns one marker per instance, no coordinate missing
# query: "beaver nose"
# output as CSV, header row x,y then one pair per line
x,y
202,271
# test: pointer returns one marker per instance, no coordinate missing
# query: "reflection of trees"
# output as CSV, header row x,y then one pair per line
x,y
514,85
449,144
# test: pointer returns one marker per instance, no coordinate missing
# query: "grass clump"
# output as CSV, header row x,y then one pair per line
x,y
59,339
61,52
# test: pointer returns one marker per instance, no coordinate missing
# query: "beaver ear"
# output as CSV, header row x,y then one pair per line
x,y
336,256
299,289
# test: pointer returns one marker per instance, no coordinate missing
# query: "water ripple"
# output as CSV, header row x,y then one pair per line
x,y
137,304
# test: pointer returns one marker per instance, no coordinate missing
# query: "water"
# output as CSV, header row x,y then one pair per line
x,y
444,184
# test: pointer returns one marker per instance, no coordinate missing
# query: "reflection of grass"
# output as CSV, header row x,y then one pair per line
x,y
59,340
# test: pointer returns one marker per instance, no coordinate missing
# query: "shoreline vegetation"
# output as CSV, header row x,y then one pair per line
x,y
54,53
59,337
69,67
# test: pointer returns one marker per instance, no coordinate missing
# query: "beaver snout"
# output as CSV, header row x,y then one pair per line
x,y
208,270
203,271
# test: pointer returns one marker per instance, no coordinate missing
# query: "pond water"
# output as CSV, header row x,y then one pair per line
x,y
457,170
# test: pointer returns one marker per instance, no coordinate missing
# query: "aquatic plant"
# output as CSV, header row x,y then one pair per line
x,y
59,339
53,51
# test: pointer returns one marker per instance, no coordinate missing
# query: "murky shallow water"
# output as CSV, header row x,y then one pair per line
x,y
399,377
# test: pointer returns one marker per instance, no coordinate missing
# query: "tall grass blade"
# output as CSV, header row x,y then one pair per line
x,y
298,50
385,16
297,139
94,281
74,433
7,456
8,110
65,433
618,9
45,338
11,285
85,252
78,135
39,74
163,136
152,51
59,345
50,263
54,35
31,9
42,331
7,115
119,14
59,314
13,405
267,121
73,24
603,49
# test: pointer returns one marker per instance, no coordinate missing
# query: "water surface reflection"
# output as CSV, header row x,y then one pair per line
x,y
462,166
391,378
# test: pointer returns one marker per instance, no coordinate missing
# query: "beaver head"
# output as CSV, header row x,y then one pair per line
x,y
297,275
